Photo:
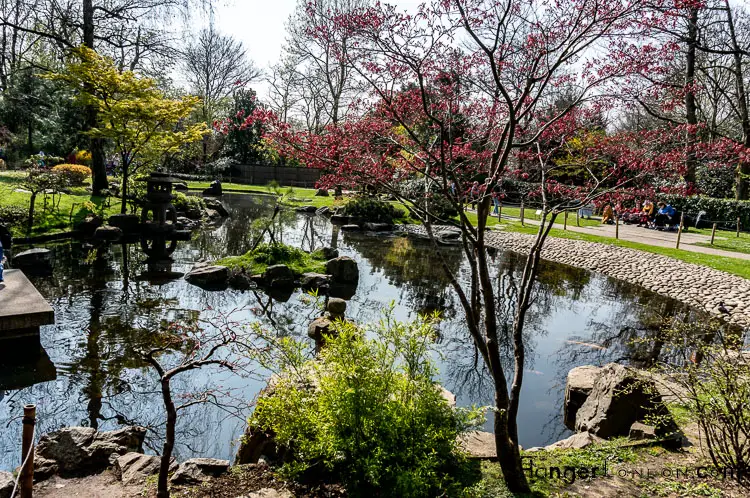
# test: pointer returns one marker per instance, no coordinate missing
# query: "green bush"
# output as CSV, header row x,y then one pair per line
x,y
371,210
256,261
368,411
719,210
185,203
13,216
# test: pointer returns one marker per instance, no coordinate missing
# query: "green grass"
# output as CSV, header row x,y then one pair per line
x,y
734,266
62,217
255,262
728,241
611,453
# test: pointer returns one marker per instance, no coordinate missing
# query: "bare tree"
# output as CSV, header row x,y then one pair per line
x,y
215,65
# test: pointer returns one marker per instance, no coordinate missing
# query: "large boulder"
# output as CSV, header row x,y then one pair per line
x,y
209,277
479,445
135,468
88,225
306,209
323,211
278,276
619,398
576,441
317,329
6,484
314,280
336,307
33,258
322,192
83,450
108,234
217,206
214,189
579,385
343,270
197,470
128,223
340,219
257,443
329,252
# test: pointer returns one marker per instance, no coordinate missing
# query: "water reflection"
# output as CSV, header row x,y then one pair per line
x,y
106,312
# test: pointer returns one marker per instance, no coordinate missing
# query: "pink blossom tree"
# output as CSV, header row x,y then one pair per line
x,y
486,89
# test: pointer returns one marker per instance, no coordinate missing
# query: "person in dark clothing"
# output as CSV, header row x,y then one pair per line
x,y
6,240
665,216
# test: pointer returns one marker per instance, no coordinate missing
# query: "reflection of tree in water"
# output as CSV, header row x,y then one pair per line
x,y
414,266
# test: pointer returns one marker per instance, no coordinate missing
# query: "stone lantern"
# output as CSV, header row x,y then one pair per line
x,y
159,204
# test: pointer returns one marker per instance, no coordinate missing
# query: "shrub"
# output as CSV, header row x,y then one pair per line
x,y
375,418
13,216
256,261
83,157
709,375
723,211
371,210
73,174
187,203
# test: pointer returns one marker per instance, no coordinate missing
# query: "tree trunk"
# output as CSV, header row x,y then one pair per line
x,y
508,454
32,204
124,189
691,110
743,169
162,490
98,167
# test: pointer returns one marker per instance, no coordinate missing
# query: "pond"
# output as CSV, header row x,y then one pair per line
x,y
107,307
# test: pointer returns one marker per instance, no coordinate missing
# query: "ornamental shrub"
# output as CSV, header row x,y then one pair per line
x,y
367,412
371,210
73,174
188,203
431,198
722,211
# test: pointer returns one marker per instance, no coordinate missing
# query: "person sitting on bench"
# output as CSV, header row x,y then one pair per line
x,y
665,215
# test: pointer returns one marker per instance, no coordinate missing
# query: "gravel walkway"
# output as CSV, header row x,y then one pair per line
x,y
698,286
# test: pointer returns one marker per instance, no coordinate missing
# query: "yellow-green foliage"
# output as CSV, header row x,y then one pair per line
x,y
143,125
368,411
74,174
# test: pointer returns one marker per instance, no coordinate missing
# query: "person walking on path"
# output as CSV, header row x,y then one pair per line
x,y
6,240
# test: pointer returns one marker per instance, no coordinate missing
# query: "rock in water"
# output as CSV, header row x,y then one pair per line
x,y
209,277
108,234
336,307
314,280
214,189
343,270
197,470
32,258
88,226
579,385
128,223
278,276
619,398
217,206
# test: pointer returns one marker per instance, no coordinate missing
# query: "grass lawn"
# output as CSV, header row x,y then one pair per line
x,y
60,218
726,240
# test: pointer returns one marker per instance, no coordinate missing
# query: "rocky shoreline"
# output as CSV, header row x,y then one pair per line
x,y
697,286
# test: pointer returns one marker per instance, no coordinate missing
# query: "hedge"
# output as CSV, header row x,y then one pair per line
x,y
721,211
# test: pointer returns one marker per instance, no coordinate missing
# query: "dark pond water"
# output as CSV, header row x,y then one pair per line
x,y
106,310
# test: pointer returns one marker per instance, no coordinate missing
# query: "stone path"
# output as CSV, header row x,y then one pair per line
x,y
698,286
659,238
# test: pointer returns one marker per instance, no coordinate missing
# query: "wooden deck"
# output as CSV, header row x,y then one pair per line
x,y
22,309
